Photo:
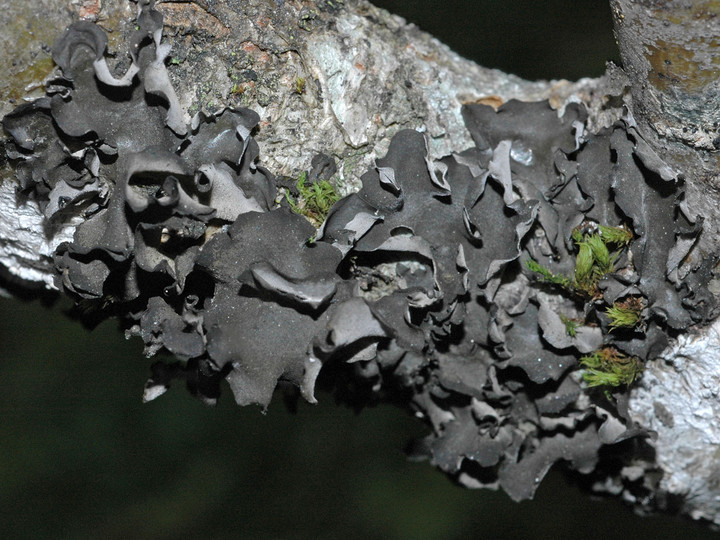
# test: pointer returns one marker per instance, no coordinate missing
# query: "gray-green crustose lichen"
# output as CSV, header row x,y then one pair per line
x,y
182,228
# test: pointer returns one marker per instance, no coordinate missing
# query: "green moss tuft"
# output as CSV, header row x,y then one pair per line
x,y
626,314
315,199
598,249
609,367
584,268
546,275
619,236
594,259
571,325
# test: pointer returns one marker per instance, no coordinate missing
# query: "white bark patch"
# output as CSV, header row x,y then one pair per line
x,y
26,244
679,398
344,77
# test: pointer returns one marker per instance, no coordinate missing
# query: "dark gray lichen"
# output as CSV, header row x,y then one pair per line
x,y
414,289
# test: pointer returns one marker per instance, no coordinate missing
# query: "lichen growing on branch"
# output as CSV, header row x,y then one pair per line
x,y
414,287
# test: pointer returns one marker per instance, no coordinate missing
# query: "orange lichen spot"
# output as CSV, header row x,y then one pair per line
x,y
237,89
678,64
493,101
30,78
262,22
187,16
90,10
249,47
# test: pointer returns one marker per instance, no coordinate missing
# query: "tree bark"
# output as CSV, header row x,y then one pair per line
x,y
343,77
671,54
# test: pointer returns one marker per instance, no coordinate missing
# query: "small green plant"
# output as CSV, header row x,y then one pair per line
x,y
626,314
315,199
620,236
300,85
593,261
609,367
603,261
584,267
571,325
546,275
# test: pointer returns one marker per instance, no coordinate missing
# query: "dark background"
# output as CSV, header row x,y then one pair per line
x,y
82,457
552,39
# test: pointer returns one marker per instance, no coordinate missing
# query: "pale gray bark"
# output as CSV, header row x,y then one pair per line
x,y
677,397
342,78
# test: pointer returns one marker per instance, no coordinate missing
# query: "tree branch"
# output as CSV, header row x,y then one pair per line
x,y
344,79
367,74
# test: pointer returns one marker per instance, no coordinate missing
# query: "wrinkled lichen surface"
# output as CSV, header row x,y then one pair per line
x,y
416,288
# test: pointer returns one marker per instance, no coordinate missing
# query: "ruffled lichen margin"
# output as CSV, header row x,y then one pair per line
x,y
415,289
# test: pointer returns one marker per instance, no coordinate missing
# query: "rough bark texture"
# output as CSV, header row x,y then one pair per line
x,y
671,54
342,77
